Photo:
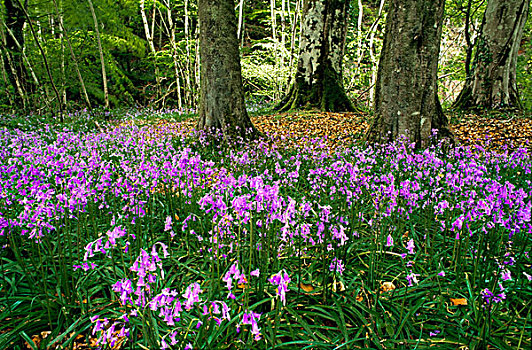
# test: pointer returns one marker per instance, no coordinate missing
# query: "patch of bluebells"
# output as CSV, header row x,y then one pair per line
x,y
47,176
495,297
233,274
104,246
312,200
173,309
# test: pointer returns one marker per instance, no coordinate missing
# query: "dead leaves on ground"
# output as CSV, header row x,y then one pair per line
x,y
336,127
79,342
345,128
515,131
387,286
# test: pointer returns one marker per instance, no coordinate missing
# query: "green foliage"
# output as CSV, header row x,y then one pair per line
x,y
268,63
361,52
524,69
265,75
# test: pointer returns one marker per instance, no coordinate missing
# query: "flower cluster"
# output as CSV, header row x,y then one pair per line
x,y
140,295
489,297
252,318
281,280
256,204
337,266
233,274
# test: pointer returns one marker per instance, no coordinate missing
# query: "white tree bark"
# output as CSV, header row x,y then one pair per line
x,y
171,35
149,38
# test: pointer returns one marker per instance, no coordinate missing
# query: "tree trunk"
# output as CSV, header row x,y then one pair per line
x,y
467,37
240,20
492,83
149,37
318,80
45,61
102,58
406,99
189,70
63,73
24,57
74,59
372,56
295,20
222,105
5,87
171,36
14,44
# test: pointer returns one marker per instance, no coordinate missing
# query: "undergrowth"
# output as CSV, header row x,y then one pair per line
x,y
155,237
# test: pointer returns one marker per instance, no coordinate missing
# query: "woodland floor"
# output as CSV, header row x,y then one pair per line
x,y
502,130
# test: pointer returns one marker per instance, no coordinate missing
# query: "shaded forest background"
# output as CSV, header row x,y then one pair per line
x,y
150,51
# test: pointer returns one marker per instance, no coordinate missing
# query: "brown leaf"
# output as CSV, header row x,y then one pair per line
x,y
458,301
306,287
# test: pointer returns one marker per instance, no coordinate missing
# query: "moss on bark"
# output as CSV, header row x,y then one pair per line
x,y
406,100
492,83
318,81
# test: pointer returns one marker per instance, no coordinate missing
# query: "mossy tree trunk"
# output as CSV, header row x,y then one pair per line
x,y
222,105
406,99
318,81
492,81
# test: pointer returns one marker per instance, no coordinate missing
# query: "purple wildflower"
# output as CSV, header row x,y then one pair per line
x,y
168,224
192,295
252,318
337,265
412,278
529,277
389,241
506,275
410,246
281,280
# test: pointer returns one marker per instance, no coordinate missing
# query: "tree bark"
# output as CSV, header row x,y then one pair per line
x,y
171,36
74,59
372,56
24,57
318,80
14,44
4,77
492,81
189,100
149,37
222,105
240,20
406,99
45,60
102,57
63,73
